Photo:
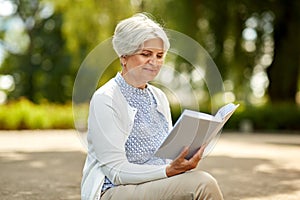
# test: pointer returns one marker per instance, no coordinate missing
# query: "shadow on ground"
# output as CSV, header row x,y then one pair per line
x,y
57,175
40,175
241,178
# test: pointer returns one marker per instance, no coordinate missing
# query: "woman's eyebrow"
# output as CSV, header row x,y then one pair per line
x,y
148,50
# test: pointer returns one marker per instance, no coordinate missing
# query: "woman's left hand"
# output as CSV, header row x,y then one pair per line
x,y
180,164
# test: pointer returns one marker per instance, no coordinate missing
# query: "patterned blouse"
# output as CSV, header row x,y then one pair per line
x,y
149,130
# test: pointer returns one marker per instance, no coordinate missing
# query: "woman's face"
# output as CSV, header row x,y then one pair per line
x,y
143,66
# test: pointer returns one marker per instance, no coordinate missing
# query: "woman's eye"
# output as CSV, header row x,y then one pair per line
x,y
158,56
146,54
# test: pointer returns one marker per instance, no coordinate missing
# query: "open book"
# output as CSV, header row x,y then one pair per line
x,y
194,129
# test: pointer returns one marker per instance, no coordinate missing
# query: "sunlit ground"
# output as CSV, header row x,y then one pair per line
x,y
257,166
43,165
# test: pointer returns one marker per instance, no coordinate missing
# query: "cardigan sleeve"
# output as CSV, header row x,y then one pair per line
x,y
108,132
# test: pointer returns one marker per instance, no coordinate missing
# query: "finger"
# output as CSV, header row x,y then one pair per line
x,y
204,145
198,155
183,153
201,150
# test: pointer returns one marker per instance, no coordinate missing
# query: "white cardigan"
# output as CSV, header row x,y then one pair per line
x,y
109,125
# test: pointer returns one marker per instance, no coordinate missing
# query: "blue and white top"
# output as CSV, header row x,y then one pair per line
x,y
149,130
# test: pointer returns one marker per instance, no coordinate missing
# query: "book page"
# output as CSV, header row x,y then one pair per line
x,y
225,111
199,115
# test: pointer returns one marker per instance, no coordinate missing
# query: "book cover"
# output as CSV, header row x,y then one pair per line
x,y
194,129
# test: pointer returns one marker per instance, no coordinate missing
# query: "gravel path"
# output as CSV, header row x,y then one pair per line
x,y
46,165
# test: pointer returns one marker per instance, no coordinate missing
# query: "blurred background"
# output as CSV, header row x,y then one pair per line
x,y
255,45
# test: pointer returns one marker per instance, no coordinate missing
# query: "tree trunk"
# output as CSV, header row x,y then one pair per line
x,y
283,73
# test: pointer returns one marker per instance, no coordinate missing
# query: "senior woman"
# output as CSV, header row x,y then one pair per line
x,y
129,119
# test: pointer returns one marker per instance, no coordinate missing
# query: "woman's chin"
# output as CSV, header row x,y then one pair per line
x,y
151,73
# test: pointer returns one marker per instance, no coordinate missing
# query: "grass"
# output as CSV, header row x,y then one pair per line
x,y
23,114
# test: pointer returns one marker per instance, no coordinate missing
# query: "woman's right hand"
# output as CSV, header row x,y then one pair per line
x,y
181,165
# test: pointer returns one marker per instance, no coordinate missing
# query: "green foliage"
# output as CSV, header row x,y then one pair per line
x,y
263,118
269,117
24,114
88,23
41,69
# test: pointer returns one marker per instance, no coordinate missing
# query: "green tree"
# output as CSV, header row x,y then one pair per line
x,y
273,47
58,35
41,69
217,26
88,23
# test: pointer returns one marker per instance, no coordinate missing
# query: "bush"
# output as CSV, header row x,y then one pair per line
x,y
267,118
270,117
23,114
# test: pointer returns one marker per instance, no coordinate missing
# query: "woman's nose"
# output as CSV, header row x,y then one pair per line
x,y
153,60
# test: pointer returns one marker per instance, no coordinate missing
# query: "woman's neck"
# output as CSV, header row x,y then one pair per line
x,y
133,82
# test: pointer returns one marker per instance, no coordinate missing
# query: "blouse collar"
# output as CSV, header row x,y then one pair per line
x,y
129,89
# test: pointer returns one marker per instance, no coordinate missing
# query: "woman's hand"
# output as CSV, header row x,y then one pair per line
x,y
180,164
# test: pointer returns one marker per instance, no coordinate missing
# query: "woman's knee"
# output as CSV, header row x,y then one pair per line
x,y
208,187
204,177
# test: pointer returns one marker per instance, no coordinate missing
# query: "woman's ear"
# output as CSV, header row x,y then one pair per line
x,y
123,61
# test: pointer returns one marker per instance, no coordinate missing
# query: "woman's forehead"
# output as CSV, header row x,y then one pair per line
x,y
153,44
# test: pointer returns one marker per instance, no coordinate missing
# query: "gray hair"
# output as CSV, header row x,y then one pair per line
x,y
131,33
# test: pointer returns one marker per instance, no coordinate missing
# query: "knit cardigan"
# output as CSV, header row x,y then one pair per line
x,y
109,125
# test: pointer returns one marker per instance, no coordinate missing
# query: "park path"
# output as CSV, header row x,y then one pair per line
x,y
46,165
